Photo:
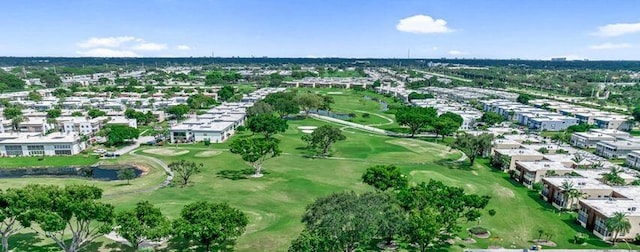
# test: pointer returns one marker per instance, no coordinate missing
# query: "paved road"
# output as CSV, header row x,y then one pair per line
x,y
128,148
162,164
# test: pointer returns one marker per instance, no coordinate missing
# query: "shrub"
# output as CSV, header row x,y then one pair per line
x,y
241,128
537,186
207,142
366,115
492,212
561,151
478,230
543,150
581,238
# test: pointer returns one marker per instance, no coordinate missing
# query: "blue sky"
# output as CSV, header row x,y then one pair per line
x,y
532,29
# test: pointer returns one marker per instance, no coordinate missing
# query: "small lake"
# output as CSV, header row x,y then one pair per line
x,y
98,172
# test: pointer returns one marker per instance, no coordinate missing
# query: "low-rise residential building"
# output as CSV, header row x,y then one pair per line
x,y
633,159
593,215
33,144
514,155
530,172
588,140
554,190
616,149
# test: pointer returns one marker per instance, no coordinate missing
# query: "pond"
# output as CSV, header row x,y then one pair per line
x,y
330,114
99,172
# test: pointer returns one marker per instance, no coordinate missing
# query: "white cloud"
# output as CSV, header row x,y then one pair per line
x,y
149,47
183,47
107,42
457,53
106,52
619,29
607,46
422,24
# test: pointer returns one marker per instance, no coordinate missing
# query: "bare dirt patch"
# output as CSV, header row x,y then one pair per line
x,y
504,192
166,152
210,153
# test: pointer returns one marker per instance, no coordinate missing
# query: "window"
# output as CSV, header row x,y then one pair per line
x,y
601,227
62,147
63,152
35,150
13,150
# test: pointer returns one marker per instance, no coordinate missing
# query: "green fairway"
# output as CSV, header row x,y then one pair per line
x,y
275,202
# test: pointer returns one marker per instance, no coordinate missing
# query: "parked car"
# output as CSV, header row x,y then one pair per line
x,y
99,151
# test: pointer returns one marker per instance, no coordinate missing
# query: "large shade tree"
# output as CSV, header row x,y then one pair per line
x,y
210,224
74,211
267,124
474,146
324,136
142,223
415,118
384,177
255,151
343,222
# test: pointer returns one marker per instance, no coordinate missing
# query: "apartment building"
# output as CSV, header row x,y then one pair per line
x,y
33,144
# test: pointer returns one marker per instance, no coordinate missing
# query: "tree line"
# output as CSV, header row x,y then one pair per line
x,y
426,214
76,212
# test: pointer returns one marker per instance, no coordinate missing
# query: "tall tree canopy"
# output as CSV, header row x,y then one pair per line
x,y
266,124
74,208
447,124
255,151
178,110
474,146
210,224
324,136
142,223
415,118
226,92
343,221
384,177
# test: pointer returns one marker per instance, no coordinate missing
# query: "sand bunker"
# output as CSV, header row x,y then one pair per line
x,y
210,153
307,131
166,152
334,93
307,127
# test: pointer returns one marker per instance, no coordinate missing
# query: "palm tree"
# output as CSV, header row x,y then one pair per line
x,y
577,158
570,191
613,177
550,173
618,224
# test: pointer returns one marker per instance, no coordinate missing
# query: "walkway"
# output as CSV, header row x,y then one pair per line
x,y
366,127
159,162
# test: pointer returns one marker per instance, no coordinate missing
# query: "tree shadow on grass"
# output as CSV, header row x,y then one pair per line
x,y
238,174
453,164
116,246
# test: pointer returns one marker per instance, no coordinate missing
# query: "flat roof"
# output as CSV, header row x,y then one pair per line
x,y
542,165
621,144
580,183
22,138
609,206
520,152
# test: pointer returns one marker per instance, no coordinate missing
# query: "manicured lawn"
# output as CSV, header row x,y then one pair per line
x,y
275,202
81,159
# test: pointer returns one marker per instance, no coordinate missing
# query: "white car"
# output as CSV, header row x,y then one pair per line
x,y
99,151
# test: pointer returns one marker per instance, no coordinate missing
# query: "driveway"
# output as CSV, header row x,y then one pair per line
x,y
128,148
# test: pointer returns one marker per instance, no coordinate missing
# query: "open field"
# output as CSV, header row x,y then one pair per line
x,y
275,202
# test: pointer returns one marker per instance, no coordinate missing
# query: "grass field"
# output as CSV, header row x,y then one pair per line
x,y
275,202
13,162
